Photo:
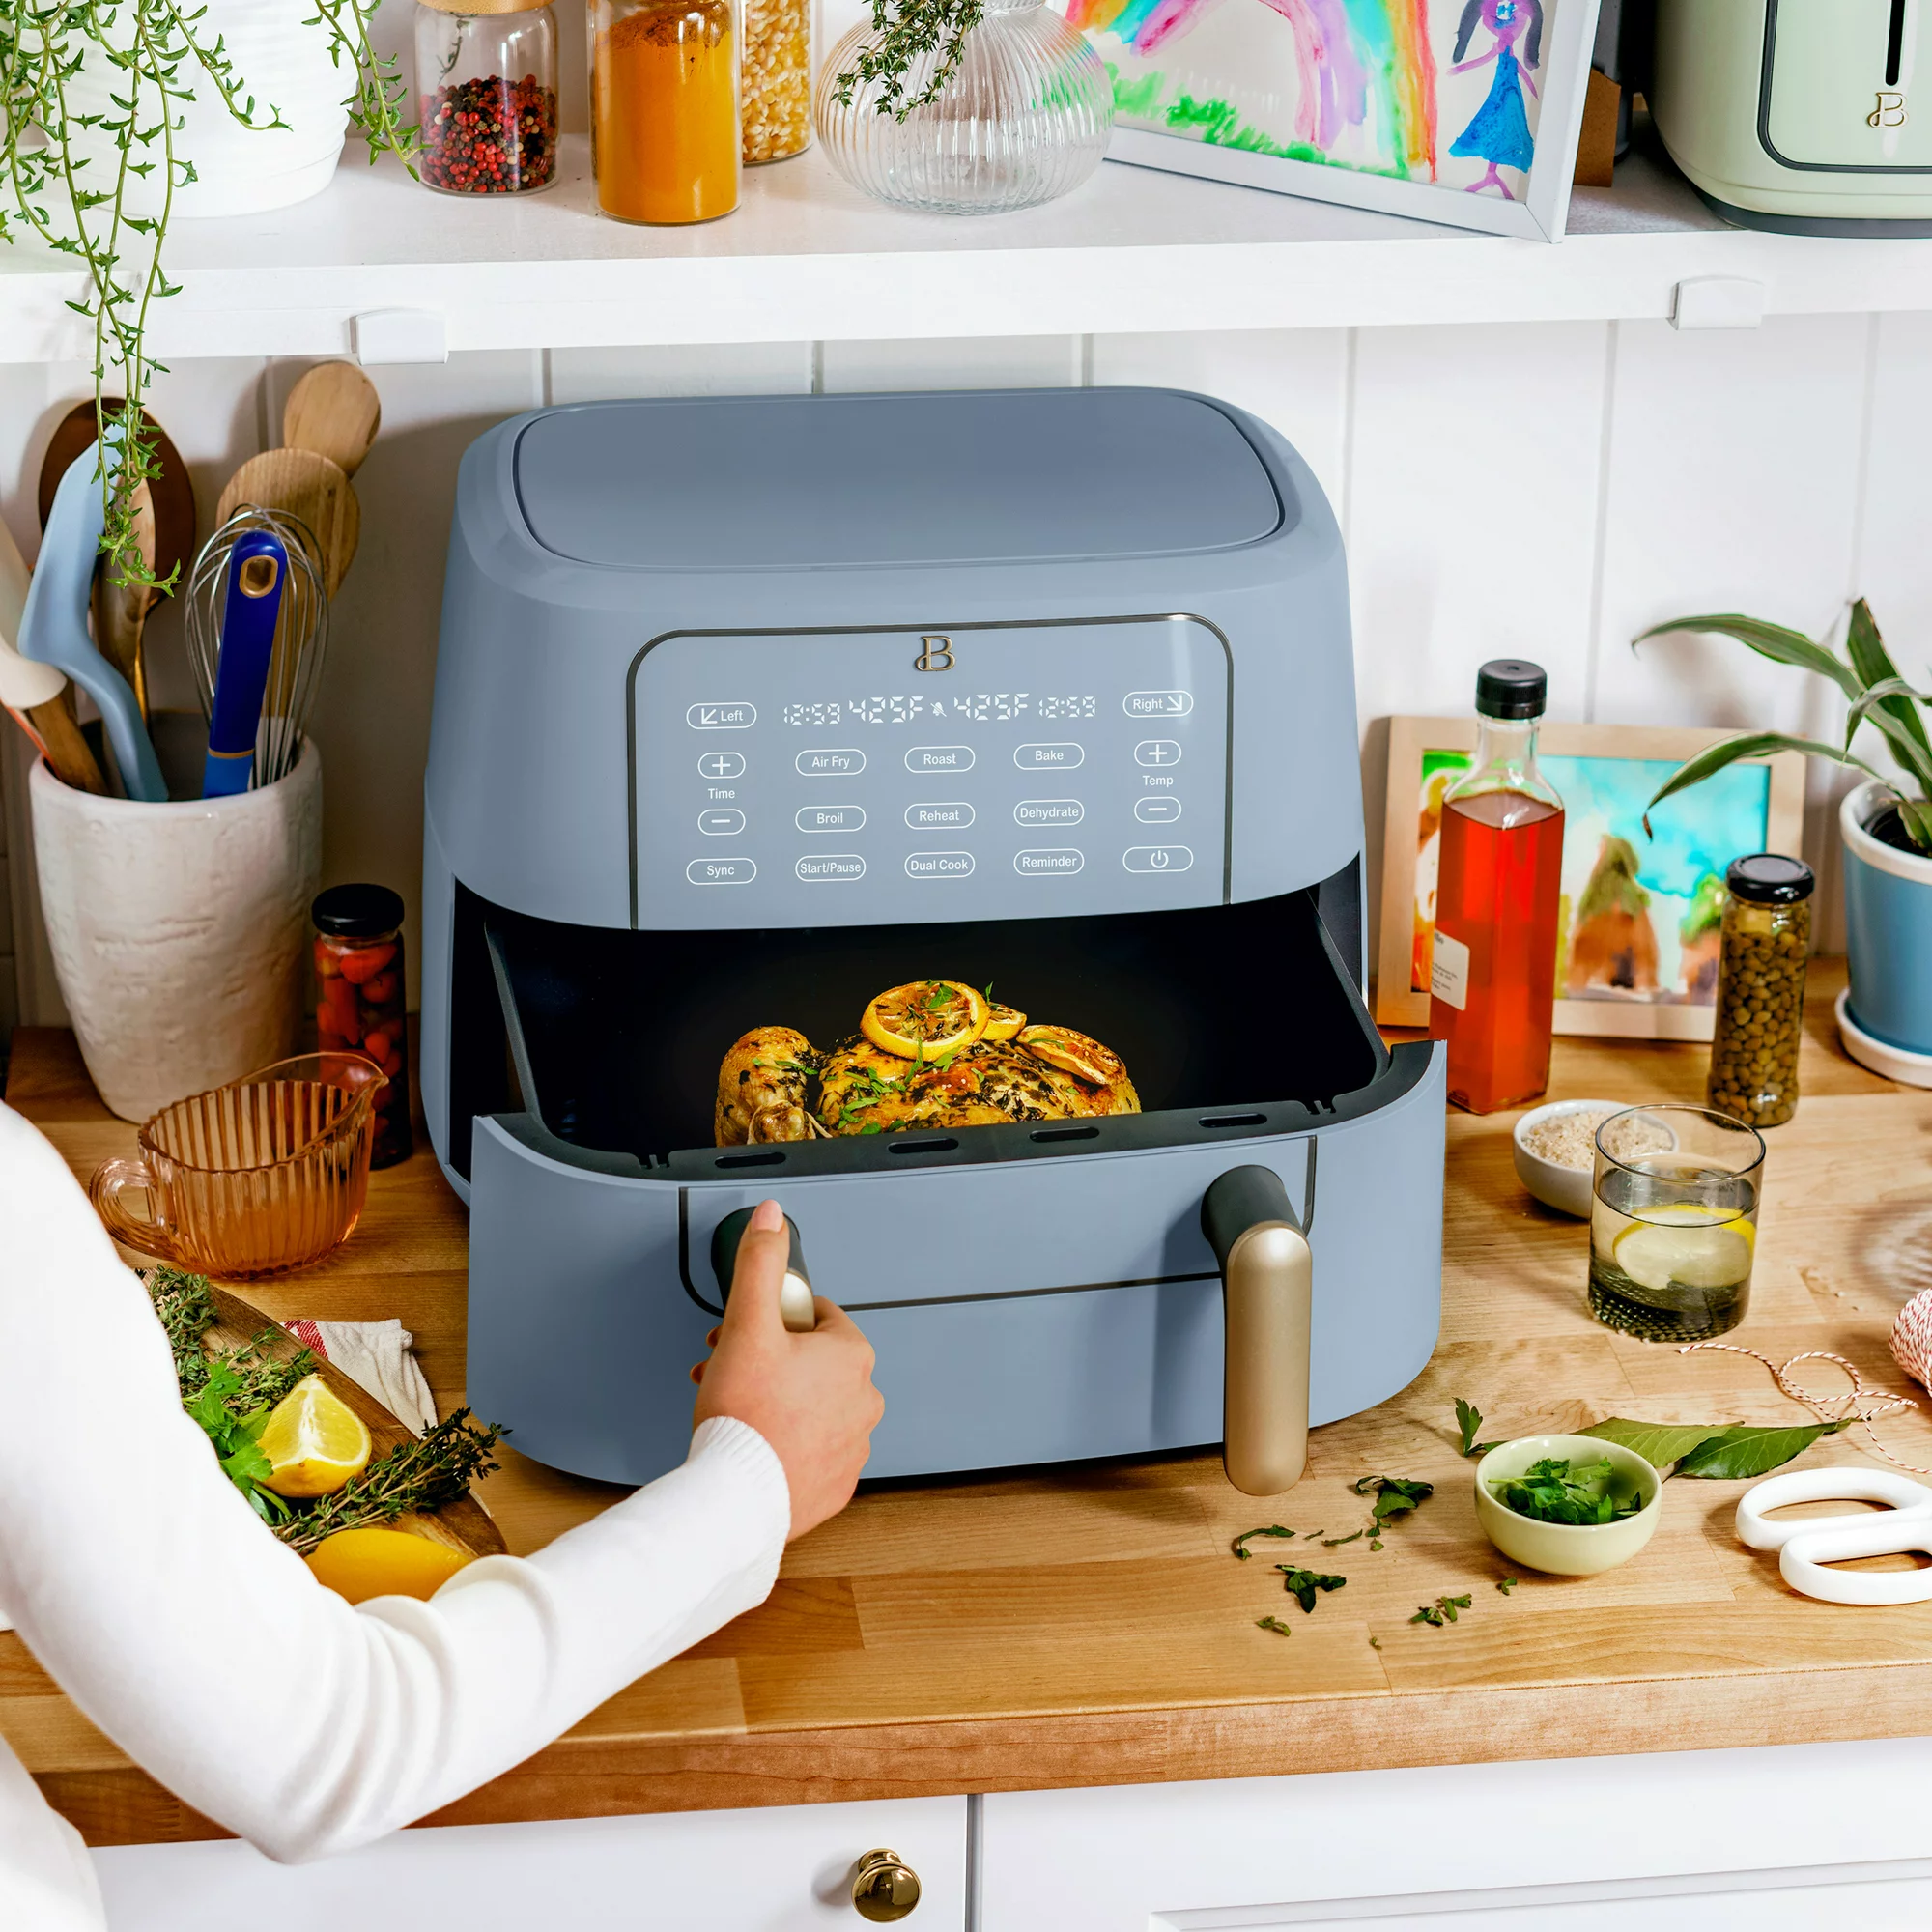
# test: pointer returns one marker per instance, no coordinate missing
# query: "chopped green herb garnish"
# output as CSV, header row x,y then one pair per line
x,y
1302,1584
1469,1419
1275,1624
1374,1643
1442,1611
1336,1542
1239,1545
1552,1491
1375,1542
1395,1495
1508,1584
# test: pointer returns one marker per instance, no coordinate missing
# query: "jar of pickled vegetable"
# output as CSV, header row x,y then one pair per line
x,y
1763,946
665,135
359,994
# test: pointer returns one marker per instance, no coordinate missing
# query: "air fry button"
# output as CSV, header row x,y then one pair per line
x,y
1158,859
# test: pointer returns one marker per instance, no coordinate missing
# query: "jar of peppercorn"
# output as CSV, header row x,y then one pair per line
x,y
486,93
360,993
1761,954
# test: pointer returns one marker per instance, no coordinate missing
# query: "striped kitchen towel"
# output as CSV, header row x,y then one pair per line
x,y
379,1356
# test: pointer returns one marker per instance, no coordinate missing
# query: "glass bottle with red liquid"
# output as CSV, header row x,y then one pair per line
x,y
359,998
1493,983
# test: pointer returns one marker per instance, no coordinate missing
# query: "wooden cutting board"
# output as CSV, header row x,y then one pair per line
x,y
464,1525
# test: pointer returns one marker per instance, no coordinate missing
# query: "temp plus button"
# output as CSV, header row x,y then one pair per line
x,y
1156,752
1158,859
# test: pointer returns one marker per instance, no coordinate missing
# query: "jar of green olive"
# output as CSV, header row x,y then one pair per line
x,y
1761,951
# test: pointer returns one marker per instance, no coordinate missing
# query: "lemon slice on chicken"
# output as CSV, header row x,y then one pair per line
x,y
927,1019
1073,1053
1004,1022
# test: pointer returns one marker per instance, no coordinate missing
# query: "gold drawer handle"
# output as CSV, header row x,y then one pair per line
x,y
883,1889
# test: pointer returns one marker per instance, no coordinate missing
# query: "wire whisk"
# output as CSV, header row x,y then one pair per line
x,y
302,633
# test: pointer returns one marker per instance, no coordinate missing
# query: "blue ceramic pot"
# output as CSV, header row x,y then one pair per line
x,y
1887,929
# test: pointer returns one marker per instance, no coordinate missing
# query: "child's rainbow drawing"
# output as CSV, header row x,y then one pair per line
x,y
1435,91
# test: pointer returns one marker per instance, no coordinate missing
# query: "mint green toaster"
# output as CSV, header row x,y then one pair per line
x,y
1800,115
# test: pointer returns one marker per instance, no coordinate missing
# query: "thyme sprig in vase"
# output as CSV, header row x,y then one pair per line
x,y
163,54
904,34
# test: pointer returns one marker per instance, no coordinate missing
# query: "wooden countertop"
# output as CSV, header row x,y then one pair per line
x,y
1087,1625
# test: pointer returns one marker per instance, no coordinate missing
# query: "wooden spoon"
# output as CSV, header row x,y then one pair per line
x,y
173,491
306,484
39,696
335,410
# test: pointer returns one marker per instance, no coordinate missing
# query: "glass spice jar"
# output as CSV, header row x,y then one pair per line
x,y
1763,945
360,993
486,94
775,79
664,136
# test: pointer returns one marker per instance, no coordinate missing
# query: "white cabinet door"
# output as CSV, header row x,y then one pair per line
x,y
785,1869
1767,1841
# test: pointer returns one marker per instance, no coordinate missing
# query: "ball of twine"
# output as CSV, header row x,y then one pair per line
x,y
1911,1338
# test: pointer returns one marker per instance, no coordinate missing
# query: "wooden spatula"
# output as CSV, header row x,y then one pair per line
x,y
308,485
335,410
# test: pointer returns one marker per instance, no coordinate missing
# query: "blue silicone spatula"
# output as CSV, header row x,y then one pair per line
x,y
53,626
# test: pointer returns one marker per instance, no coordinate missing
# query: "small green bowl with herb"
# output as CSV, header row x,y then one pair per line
x,y
1572,1505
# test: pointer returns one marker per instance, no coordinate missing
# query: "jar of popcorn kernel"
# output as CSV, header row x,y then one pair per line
x,y
775,82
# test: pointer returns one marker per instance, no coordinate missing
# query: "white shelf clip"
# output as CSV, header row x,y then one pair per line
x,y
399,335
1718,301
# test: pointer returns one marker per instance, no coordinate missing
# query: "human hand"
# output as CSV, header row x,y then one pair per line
x,y
809,1396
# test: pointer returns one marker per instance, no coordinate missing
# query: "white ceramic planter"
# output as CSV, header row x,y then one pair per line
x,y
283,64
178,930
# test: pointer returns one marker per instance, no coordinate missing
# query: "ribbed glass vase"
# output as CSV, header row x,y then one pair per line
x,y
1025,119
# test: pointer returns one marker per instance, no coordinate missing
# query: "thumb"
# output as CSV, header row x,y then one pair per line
x,y
758,1277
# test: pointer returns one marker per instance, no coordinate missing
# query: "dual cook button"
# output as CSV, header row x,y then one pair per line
x,y
939,865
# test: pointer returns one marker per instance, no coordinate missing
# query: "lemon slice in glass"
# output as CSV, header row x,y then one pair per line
x,y
1692,1247
314,1442
927,1019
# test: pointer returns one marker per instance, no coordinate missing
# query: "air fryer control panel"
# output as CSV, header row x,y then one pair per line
x,y
784,779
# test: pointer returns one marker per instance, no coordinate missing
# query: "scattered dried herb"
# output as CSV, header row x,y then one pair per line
x,y
1239,1545
1508,1584
1395,1495
1275,1624
1374,1643
1375,1542
1442,1611
1552,1491
1336,1542
1302,1584
1469,1419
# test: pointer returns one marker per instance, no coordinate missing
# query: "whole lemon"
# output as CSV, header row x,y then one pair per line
x,y
363,1563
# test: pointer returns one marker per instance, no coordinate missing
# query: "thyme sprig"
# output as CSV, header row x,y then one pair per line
x,y
435,1470
927,36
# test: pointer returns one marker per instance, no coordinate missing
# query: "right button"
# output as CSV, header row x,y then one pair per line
x,y
1156,811
1158,857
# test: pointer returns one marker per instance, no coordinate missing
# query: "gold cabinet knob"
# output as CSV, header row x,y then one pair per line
x,y
883,1889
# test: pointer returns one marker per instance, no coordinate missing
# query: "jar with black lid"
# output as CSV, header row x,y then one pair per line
x,y
1765,941
361,993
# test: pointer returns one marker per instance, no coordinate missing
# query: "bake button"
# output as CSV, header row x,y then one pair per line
x,y
722,765
954,817
1049,811
1157,751
734,716
939,865
939,758
840,762
1158,859
720,871
720,824
1049,758
1158,703
818,868
1156,811
1046,865
831,818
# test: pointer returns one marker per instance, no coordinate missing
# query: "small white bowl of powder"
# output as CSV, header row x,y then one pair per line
x,y
1556,1149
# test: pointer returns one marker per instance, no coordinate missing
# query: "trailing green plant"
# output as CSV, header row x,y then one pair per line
x,y
1874,692
904,33
161,53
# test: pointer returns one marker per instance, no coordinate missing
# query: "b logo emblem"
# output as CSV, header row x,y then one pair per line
x,y
1888,113
937,655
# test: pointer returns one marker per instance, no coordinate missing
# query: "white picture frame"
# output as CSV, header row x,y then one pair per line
x,y
1562,81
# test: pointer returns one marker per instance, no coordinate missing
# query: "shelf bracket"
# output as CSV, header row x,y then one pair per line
x,y
399,335
1718,301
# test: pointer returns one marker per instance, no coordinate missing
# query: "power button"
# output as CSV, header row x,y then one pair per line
x,y
1158,857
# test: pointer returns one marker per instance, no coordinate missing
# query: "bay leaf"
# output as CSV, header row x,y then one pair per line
x,y
1659,1443
1750,1450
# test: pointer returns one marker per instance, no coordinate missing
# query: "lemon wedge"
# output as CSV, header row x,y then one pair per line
x,y
363,1563
1686,1245
314,1442
927,1019
1004,1022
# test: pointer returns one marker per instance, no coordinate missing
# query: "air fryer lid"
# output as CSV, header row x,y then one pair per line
x,y
793,482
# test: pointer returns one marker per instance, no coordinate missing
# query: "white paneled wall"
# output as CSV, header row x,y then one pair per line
x,y
1548,490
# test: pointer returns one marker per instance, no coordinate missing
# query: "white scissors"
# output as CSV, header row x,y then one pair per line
x,y
1807,1544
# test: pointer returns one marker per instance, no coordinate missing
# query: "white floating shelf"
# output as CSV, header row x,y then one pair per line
x,y
808,258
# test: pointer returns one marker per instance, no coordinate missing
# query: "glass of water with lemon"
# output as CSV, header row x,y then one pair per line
x,y
1673,1222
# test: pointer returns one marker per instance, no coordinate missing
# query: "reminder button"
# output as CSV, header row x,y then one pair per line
x,y
1042,864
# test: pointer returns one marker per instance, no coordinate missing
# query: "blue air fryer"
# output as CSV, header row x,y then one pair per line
x,y
1034,711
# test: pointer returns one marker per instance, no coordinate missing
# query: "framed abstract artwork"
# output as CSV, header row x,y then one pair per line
x,y
1637,931
1459,111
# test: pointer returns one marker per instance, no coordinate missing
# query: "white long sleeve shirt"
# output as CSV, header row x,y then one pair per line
x,y
146,1585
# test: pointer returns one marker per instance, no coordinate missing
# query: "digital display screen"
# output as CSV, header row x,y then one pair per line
x,y
978,707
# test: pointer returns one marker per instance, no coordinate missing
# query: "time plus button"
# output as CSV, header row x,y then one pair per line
x,y
722,765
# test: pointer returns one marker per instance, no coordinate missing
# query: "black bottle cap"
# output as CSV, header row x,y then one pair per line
x,y
1511,688
356,912
1769,879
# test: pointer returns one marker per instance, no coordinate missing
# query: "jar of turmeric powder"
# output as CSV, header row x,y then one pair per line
x,y
664,108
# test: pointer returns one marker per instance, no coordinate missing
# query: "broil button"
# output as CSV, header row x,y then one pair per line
x,y
720,871
1158,859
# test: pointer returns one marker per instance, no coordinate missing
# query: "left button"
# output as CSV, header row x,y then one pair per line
x,y
720,871
720,824
727,716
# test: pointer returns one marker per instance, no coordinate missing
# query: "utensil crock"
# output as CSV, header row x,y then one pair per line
x,y
257,1178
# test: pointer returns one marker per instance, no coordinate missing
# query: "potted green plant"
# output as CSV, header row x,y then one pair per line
x,y
1886,824
122,116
